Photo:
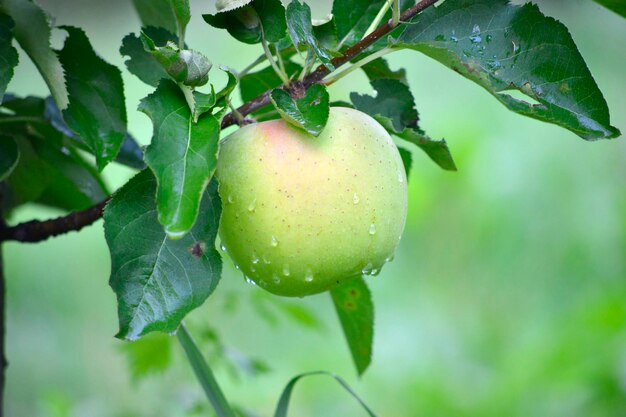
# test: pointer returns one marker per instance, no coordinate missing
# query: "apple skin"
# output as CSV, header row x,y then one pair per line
x,y
302,214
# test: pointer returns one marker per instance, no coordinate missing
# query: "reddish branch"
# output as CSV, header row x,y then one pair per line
x,y
321,71
36,231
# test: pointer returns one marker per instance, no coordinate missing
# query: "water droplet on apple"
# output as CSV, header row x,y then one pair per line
x,y
223,248
231,199
255,258
367,269
400,177
355,198
389,258
372,229
237,267
276,279
309,276
286,270
252,268
274,241
375,272
248,280
266,261
252,205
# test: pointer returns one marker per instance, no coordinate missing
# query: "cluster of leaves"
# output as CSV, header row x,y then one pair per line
x,y
161,226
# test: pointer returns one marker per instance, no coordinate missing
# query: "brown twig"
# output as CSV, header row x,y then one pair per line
x,y
321,71
36,231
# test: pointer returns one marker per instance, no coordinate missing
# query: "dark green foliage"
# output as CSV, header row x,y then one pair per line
x,y
8,54
141,62
182,155
158,280
354,306
97,111
249,24
309,112
394,108
506,47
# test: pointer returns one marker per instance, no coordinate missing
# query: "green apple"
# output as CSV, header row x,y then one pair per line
x,y
302,214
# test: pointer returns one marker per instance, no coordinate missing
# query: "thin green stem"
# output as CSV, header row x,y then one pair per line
x,y
204,374
336,76
279,58
250,67
379,17
238,116
395,13
308,63
270,58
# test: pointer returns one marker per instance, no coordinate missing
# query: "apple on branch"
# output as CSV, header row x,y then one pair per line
x,y
302,214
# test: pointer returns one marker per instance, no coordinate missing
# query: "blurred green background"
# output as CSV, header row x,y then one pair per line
x,y
507,296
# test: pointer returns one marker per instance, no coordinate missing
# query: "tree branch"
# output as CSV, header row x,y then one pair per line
x,y
37,231
321,71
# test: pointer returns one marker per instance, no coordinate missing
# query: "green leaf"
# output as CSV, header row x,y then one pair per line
x,y
204,374
407,160
354,306
54,177
32,32
182,14
142,63
156,13
505,47
379,69
203,103
149,355
326,33
309,112
618,6
301,31
182,155
185,66
8,54
394,108
9,156
249,23
353,17
393,100
283,402
231,83
254,84
130,153
158,280
97,111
